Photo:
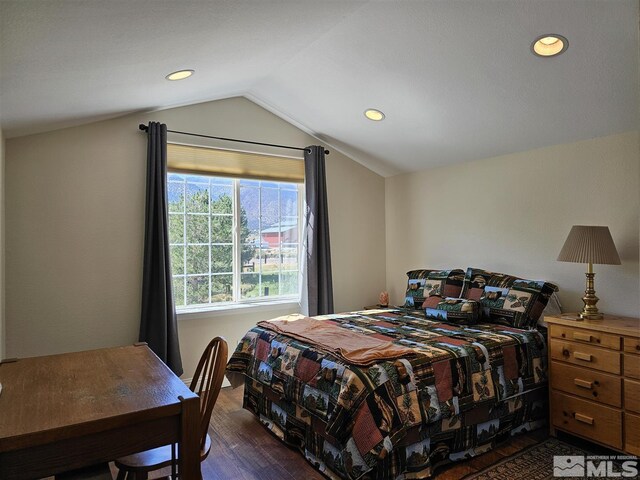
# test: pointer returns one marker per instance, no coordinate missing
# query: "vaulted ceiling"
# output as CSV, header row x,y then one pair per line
x,y
456,78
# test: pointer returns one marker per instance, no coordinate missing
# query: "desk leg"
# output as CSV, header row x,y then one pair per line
x,y
189,445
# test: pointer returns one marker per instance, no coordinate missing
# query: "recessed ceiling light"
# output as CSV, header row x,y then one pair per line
x,y
549,45
180,75
373,114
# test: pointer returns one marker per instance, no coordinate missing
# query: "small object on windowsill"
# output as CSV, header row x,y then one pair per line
x,y
383,299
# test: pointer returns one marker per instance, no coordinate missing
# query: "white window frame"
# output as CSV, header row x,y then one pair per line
x,y
277,301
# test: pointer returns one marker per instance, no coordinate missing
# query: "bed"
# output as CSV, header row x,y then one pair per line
x,y
390,394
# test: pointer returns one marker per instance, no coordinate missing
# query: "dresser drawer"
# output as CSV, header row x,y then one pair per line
x,y
631,366
586,336
589,384
632,345
587,419
632,434
586,356
631,395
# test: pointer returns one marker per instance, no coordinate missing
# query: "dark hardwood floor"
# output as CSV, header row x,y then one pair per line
x,y
243,449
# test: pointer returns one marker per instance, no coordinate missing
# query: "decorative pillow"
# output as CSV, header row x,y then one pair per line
x,y
425,283
505,299
452,310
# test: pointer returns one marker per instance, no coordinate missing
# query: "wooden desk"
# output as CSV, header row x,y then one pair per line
x,y
62,412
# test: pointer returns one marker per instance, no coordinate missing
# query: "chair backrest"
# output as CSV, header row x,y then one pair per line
x,y
207,381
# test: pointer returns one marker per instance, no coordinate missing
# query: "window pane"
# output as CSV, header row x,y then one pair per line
x,y
270,284
176,228
289,258
251,265
222,181
221,229
197,198
269,211
289,203
221,258
270,261
197,259
197,178
177,260
249,287
250,257
289,283
221,199
249,183
197,290
178,291
221,288
197,229
175,194
289,230
249,213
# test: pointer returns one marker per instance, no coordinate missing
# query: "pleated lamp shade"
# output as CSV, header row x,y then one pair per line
x,y
589,244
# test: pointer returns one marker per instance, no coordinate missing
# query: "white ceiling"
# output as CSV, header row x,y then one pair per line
x,y
455,78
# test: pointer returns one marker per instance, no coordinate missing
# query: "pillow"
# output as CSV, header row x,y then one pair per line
x,y
425,283
452,310
505,299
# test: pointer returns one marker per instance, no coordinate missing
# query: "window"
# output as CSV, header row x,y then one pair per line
x,y
233,239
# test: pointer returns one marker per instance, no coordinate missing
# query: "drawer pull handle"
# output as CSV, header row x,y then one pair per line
x,y
585,357
583,418
583,383
583,337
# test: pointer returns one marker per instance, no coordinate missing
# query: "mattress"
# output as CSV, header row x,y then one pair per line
x,y
454,393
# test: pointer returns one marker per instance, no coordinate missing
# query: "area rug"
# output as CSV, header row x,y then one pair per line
x,y
532,463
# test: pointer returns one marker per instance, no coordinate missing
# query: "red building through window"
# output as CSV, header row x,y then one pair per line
x,y
283,232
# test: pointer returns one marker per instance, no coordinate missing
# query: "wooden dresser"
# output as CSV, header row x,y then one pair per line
x,y
594,379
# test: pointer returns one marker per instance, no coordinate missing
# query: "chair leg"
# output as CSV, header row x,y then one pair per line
x,y
121,475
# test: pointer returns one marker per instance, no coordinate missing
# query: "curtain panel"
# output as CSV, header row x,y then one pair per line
x,y
317,291
158,323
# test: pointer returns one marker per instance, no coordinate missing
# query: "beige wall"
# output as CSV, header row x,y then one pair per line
x,y
75,213
512,214
2,328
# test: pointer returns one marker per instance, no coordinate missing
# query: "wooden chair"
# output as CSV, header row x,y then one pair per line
x,y
207,381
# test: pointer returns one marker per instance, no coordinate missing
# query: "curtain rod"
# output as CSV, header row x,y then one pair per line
x,y
145,128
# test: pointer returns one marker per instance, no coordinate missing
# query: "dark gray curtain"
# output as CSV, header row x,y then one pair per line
x,y
158,325
319,285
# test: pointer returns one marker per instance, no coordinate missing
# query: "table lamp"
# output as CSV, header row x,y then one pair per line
x,y
589,244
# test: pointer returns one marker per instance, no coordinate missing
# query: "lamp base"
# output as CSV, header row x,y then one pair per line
x,y
591,316
590,311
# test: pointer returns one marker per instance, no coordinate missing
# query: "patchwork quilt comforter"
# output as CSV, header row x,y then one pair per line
x,y
454,393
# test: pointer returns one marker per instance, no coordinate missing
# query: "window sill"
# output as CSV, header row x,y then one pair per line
x,y
237,309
